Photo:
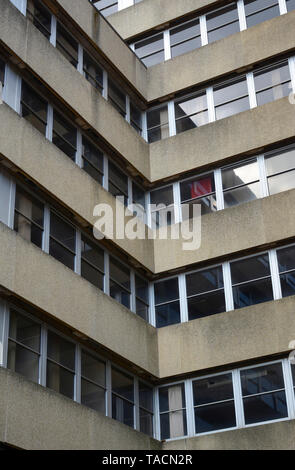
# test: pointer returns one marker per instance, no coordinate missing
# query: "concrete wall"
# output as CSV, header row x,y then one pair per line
x,y
52,287
222,57
274,436
24,39
227,338
36,418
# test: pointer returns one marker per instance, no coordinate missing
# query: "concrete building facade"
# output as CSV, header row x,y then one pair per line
x,y
140,344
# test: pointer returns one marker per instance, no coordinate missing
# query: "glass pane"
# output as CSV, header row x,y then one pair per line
x,y
151,50
138,195
241,173
231,98
185,38
122,411
173,424
23,361
279,183
206,304
262,379
252,293
122,385
213,389
92,396
260,10
142,289
142,310
60,380
24,330
107,7
62,231
119,181
60,350
40,17
265,407
162,196
92,368
61,254
288,284
192,106
120,294
92,160
166,290
67,45
92,253
167,314
33,213
135,117
146,422
290,5
215,417
157,123
222,23
119,273
242,195
204,281
145,397
197,187
286,258
27,230
92,275
34,108
64,135
93,72
117,98
272,84
171,398
280,161
250,268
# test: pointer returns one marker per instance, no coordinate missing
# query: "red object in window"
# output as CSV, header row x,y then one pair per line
x,y
201,187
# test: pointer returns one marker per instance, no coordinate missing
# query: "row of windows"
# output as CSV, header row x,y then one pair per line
x,y
225,187
41,225
59,37
45,356
230,400
227,286
246,91
205,29
108,7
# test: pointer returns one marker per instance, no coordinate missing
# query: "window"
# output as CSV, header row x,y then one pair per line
x,y
92,160
33,108
251,281
64,135
214,404
92,72
167,305
272,83
106,7
120,288
290,5
191,112
138,199
93,382
145,409
260,10
60,365
263,392
240,183
142,298
24,346
62,243
198,190
40,17
185,38
231,98
162,213
92,263
67,45
286,261
117,98
118,182
157,123
172,411
205,293
135,118
222,22
151,50
122,398
29,217
280,170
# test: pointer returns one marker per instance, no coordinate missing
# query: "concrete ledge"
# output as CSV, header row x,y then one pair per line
x,y
273,436
52,287
227,338
36,418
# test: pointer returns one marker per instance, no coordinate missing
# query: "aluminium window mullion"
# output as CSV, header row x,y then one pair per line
x,y
52,39
189,402
80,59
11,204
108,395
210,104
129,190
242,15
43,355
79,151
289,388
228,291
238,399
219,189
167,45
203,30
136,404
46,231
264,192
4,332
182,298
105,84
144,132
106,273
171,118
132,292
127,106
157,426
78,384
251,90
49,126
282,7
105,181
275,276
152,310
77,268
291,62
177,203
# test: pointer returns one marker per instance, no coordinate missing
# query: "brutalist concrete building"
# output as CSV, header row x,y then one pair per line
x,y
121,343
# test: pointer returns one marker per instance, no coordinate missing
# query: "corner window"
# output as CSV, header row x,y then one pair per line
x,y
280,170
198,190
118,182
173,421
240,183
222,22
263,392
40,17
34,108
167,304
92,263
136,118
272,83
64,135
260,10
286,262
60,365
157,123
185,38
92,160
231,98
191,112
163,212
93,382
62,242
67,45
138,199
205,293
24,346
120,288
251,281
214,404
146,409
122,398
151,50
117,98
29,217
92,72
142,298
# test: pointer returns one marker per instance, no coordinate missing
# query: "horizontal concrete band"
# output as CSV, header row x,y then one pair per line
x,y
36,418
